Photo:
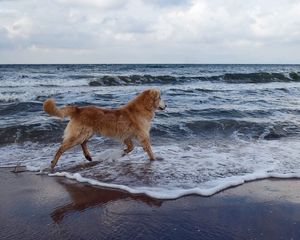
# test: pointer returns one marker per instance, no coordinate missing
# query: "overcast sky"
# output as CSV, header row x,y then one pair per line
x,y
149,31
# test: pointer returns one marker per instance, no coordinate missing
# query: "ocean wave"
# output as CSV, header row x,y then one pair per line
x,y
110,80
10,97
17,107
260,77
95,80
52,131
257,77
226,128
36,132
243,129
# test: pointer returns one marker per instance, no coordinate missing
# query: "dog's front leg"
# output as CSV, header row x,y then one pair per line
x,y
145,142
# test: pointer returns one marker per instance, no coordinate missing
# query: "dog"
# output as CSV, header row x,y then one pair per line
x,y
126,123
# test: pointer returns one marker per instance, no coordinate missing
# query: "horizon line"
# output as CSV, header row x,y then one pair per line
x,y
149,63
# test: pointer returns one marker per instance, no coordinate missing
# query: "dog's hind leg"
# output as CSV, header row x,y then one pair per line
x,y
129,145
67,144
86,151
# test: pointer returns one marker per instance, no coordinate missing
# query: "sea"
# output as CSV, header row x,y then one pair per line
x,y
224,125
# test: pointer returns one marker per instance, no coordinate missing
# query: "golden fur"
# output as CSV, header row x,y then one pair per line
x,y
131,121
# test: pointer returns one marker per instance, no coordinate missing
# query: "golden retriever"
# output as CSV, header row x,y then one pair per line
x,y
131,121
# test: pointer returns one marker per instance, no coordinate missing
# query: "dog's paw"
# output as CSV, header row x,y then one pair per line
x,y
52,166
45,168
124,153
159,158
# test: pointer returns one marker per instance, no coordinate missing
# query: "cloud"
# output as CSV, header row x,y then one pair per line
x,y
168,3
151,31
5,42
99,4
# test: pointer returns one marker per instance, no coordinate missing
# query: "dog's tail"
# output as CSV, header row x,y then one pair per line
x,y
51,109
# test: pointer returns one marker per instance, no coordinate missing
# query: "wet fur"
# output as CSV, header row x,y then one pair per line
x,y
131,121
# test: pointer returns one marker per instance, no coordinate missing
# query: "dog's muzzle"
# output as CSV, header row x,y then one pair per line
x,y
162,105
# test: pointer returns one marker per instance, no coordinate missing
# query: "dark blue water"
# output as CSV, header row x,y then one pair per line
x,y
222,121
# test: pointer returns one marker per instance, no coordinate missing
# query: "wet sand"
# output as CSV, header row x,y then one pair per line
x,y
41,207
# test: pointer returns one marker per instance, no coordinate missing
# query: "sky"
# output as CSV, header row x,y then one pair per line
x,y
149,31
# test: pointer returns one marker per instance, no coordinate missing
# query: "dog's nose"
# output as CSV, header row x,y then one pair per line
x,y
163,107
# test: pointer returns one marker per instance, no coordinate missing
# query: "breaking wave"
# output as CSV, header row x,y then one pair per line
x,y
51,132
259,77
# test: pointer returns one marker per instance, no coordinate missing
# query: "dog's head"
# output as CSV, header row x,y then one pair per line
x,y
153,99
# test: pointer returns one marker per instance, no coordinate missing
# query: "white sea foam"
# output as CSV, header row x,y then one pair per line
x,y
80,93
202,168
166,193
16,97
44,81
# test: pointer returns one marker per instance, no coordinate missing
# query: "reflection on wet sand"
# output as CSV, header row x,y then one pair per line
x,y
41,207
85,196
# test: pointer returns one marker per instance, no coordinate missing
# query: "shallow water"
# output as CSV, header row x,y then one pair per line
x,y
225,124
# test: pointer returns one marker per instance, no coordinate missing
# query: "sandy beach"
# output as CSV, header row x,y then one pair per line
x,y
41,207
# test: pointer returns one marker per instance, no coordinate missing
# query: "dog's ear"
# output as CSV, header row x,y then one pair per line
x,y
154,93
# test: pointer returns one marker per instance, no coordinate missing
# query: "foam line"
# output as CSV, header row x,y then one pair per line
x,y
202,169
161,193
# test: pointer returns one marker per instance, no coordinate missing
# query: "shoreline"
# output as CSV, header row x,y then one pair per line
x,y
155,192
37,206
